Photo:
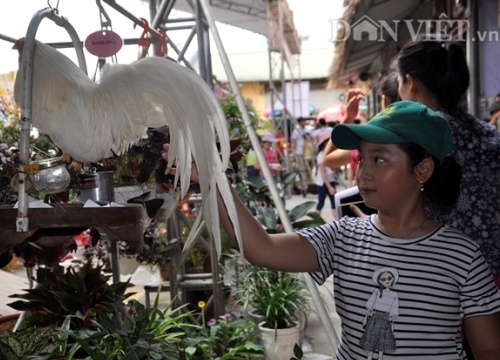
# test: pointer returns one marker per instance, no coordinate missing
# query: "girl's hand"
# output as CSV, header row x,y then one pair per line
x,y
357,211
354,96
194,169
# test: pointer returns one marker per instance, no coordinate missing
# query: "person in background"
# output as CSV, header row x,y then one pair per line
x,y
321,126
436,74
298,143
403,283
335,158
250,160
326,177
387,88
353,165
271,156
495,114
281,142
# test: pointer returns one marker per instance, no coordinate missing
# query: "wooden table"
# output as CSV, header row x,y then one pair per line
x,y
49,227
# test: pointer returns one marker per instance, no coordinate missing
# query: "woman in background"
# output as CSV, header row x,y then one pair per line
x,y
272,158
326,177
436,74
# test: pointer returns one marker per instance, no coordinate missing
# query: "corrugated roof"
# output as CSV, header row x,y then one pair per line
x,y
365,53
252,15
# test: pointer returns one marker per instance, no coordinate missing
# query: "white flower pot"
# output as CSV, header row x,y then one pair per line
x,y
279,344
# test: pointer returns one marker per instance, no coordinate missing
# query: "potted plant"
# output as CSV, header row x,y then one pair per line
x,y
280,300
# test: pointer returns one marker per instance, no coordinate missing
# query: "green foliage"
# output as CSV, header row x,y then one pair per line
x,y
255,191
256,195
235,119
132,332
240,141
297,352
98,326
84,294
226,338
25,342
280,297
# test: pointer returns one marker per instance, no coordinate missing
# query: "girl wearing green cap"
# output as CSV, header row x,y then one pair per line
x,y
403,283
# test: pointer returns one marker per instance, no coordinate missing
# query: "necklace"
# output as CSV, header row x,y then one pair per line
x,y
417,229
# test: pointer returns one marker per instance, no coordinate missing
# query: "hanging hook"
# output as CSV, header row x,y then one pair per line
x,y
161,49
144,40
56,9
103,16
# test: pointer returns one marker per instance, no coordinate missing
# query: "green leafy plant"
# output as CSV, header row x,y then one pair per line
x,y
132,332
297,352
25,342
226,338
255,193
98,325
279,297
83,293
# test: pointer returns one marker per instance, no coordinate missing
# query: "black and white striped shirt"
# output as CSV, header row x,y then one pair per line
x,y
436,281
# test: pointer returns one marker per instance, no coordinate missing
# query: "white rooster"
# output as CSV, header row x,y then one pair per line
x,y
91,121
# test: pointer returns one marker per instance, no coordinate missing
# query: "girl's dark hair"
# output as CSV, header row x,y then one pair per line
x,y
388,86
443,187
440,65
322,145
321,123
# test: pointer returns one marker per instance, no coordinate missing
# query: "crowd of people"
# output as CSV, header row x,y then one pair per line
x,y
306,153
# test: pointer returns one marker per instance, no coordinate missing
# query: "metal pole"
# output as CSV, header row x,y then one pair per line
x,y
472,58
22,222
320,306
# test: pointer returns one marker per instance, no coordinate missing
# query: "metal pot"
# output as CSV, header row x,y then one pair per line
x,y
53,177
97,186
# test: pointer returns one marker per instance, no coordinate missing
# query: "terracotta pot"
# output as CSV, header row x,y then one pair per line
x,y
164,274
7,322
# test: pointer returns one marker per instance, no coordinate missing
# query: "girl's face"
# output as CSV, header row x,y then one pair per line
x,y
384,177
267,145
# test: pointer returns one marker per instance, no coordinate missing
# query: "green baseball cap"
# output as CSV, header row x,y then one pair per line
x,y
400,122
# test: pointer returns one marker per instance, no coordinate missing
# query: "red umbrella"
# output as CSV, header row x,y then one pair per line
x,y
334,112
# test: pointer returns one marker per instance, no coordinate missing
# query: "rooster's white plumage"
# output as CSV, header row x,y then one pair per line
x,y
91,121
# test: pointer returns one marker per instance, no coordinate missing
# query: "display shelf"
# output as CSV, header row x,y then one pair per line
x,y
51,226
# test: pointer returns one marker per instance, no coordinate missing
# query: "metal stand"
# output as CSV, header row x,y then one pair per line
x,y
180,282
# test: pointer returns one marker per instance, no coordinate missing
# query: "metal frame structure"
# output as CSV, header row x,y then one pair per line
x,y
281,56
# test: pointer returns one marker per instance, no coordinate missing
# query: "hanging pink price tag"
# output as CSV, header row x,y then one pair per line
x,y
103,43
